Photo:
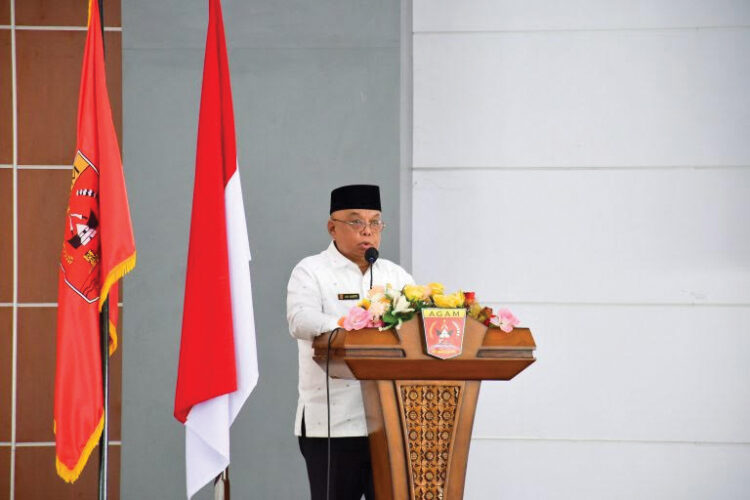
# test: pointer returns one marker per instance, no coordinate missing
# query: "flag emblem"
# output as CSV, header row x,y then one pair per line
x,y
80,262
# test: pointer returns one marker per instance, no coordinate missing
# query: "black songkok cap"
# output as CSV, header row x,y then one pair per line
x,y
364,196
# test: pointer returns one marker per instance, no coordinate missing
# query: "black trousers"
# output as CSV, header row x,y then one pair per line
x,y
351,470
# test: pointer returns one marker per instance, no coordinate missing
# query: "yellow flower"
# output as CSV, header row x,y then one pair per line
x,y
452,300
436,288
415,292
364,303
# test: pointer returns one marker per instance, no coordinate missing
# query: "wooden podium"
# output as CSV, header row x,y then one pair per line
x,y
420,410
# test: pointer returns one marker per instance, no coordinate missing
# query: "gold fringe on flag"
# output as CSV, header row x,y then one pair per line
x,y
70,475
115,274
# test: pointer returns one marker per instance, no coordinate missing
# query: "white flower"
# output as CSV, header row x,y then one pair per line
x,y
392,293
401,305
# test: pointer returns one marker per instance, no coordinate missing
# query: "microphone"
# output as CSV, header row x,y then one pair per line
x,y
371,255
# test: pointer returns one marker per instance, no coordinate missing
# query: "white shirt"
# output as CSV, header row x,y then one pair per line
x,y
313,307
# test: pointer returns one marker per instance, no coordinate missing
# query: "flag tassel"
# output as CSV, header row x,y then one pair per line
x,y
70,475
114,275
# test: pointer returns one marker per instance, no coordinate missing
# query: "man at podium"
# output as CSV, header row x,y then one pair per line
x,y
322,288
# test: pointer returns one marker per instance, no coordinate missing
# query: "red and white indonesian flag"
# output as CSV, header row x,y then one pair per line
x,y
218,362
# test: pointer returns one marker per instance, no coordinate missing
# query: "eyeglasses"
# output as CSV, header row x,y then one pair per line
x,y
359,225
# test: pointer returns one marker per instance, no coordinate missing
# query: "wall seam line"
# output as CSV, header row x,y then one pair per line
x,y
23,27
14,314
43,444
604,168
618,304
582,30
610,441
406,134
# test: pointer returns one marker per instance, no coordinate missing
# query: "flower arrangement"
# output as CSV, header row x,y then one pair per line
x,y
385,307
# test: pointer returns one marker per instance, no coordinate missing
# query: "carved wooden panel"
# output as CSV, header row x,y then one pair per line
x,y
429,416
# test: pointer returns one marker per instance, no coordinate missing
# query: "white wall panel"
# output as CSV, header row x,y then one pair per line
x,y
587,164
594,471
615,235
510,15
582,99
631,373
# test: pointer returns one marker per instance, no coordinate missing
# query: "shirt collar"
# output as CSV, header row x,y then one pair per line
x,y
338,259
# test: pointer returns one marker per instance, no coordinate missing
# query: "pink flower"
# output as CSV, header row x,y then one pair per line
x,y
505,320
357,318
375,291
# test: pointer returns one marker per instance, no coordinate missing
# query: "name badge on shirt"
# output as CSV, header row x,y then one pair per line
x,y
348,296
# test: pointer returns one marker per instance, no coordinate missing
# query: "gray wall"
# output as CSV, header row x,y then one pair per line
x,y
316,93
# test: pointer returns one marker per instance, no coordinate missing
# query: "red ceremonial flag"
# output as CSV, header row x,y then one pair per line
x,y
98,249
218,363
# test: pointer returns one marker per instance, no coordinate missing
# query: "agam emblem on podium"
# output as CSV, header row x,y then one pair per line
x,y
444,331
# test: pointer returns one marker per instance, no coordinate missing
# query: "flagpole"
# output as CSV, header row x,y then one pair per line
x,y
104,322
221,485
104,440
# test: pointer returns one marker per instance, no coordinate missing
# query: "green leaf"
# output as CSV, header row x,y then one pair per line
x,y
389,318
